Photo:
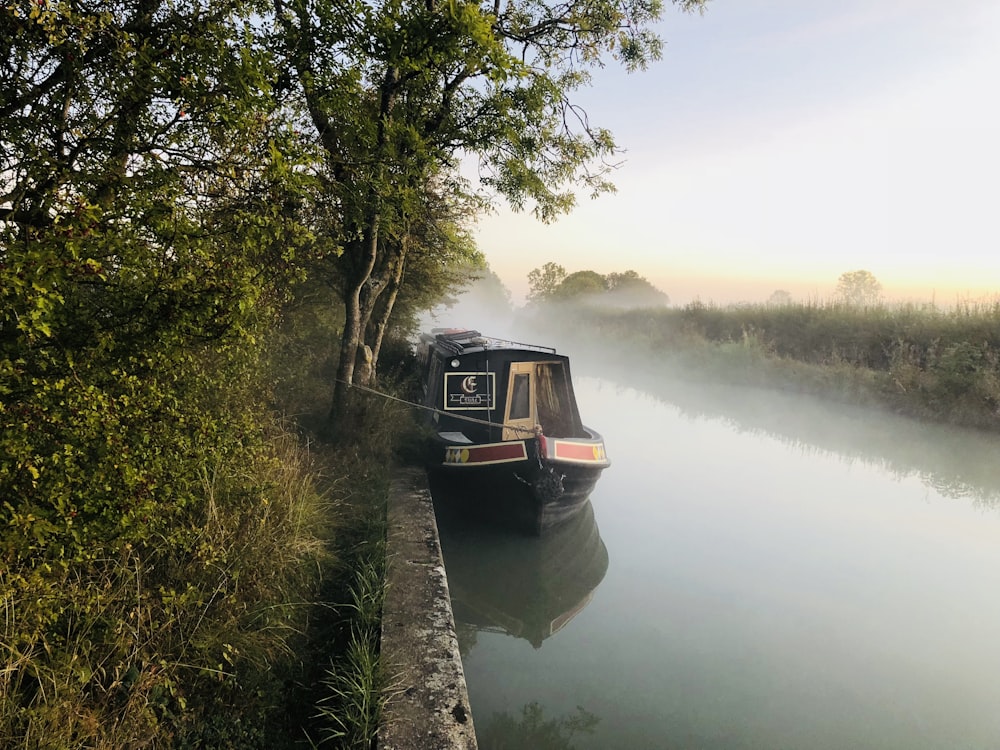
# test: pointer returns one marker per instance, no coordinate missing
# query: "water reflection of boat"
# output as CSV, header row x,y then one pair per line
x,y
505,425
528,587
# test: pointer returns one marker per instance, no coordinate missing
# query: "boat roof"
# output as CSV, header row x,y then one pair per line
x,y
467,341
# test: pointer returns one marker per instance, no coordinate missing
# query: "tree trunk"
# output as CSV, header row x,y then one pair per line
x,y
356,296
375,338
351,336
376,307
345,367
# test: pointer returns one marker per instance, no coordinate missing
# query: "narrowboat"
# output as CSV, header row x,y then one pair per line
x,y
505,430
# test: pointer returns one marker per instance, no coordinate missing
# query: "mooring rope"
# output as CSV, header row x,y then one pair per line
x,y
366,389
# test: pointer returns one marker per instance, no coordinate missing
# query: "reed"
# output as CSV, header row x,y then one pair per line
x,y
926,361
355,683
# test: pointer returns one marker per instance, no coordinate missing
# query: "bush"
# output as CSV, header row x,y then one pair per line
x,y
161,530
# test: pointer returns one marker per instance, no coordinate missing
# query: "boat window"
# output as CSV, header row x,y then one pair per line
x,y
555,409
520,404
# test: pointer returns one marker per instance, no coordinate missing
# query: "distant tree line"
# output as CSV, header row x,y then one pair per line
x,y
941,364
551,283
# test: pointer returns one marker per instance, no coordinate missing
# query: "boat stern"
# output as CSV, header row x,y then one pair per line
x,y
577,451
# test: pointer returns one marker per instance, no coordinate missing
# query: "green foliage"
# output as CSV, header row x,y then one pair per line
x,y
356,684
441,257
543,282
629,289
348,686
155,526
580,285
132,625
550,283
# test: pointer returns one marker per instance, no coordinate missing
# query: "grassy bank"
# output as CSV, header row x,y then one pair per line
x,y
181,566
262,632
152,639
922,361
344,687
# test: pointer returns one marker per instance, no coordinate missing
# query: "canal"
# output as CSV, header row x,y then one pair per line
x,y
756,571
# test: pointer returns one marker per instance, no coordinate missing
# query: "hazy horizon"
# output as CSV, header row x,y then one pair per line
x,y
722,290
779,144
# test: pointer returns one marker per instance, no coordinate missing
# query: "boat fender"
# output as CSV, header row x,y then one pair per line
x,y
548,486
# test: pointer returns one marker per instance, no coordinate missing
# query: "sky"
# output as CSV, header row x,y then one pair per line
x,y
780,143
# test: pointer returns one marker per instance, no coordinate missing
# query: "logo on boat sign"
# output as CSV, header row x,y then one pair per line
x,y
469,390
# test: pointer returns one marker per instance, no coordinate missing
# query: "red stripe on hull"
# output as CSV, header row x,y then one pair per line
x,y
589,452
501,452
494,453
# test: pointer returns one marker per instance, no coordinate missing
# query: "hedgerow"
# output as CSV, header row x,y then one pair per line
x,y
925,361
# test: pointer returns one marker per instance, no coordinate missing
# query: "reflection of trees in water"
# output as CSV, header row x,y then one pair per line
x,y
467,635
956,488
531,730
955,462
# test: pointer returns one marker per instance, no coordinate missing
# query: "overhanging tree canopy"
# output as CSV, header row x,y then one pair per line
x,y
397,90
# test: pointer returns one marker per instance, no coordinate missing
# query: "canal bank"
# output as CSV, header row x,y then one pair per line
x,y
429,703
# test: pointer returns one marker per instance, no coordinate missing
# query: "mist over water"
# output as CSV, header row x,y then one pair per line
x,y
782,573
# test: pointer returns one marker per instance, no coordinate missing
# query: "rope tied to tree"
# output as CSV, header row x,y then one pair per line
x,y
529,431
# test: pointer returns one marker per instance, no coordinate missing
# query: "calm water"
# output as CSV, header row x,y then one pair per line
x,y
758,572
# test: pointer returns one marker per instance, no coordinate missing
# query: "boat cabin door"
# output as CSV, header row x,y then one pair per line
x,y
521,417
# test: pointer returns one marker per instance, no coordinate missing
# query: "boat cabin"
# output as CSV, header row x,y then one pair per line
x,y
487,389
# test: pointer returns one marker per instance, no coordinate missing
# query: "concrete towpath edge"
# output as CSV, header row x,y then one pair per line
x,y
429,702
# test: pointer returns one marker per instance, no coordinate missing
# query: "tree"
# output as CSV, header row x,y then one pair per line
x,y
580,285
485,298
542,282
858,289
629,289
438,257
492,293
779,298
134,142
144,234
396,91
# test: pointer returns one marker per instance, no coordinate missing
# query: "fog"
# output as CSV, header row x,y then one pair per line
x,y
957,462
782,571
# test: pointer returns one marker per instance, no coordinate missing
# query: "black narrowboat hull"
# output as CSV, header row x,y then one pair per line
x,y
515,483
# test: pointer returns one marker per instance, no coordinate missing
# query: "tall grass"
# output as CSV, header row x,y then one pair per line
x,y
922,360
342,691
152,648
355,683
